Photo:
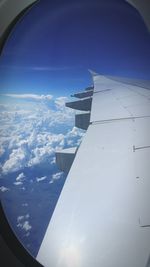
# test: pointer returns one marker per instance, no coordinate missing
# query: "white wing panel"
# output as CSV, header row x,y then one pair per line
x,y
105,106
118,100
143,179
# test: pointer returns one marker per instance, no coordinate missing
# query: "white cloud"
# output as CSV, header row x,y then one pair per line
x,y
65,112
60,101
31,136
50,68
74,132
40,155
18,183
17,160
22,217
35,68
23,222
57,175
39,179
20,177
4,189
30,96
26,226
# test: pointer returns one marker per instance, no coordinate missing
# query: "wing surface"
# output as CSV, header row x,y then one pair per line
x,y
102,217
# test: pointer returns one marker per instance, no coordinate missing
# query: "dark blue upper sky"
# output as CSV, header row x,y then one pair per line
x,y
53,45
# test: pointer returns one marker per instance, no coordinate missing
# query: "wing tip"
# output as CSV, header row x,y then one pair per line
x,y
93,73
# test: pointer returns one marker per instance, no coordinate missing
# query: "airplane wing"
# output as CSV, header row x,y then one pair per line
x,y
102,217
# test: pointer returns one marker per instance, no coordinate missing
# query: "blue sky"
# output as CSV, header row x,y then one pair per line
x,y
53,45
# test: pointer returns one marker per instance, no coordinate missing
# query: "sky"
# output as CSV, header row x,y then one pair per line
x,y
52,47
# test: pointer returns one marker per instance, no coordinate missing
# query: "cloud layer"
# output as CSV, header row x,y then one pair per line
x,y
30,96
29,137
30,182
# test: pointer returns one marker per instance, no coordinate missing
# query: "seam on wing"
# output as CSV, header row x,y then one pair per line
x,y
118,119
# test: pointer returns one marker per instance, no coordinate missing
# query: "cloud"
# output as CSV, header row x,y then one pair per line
x,y
20,177
60,101
35,68
26,226
74,134
30,96
44,68
18,159
22,217
39,179
18,183
30,137
40,155
57,176
23,223
4,189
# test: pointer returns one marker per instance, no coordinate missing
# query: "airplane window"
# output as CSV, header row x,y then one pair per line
x,y
44,60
